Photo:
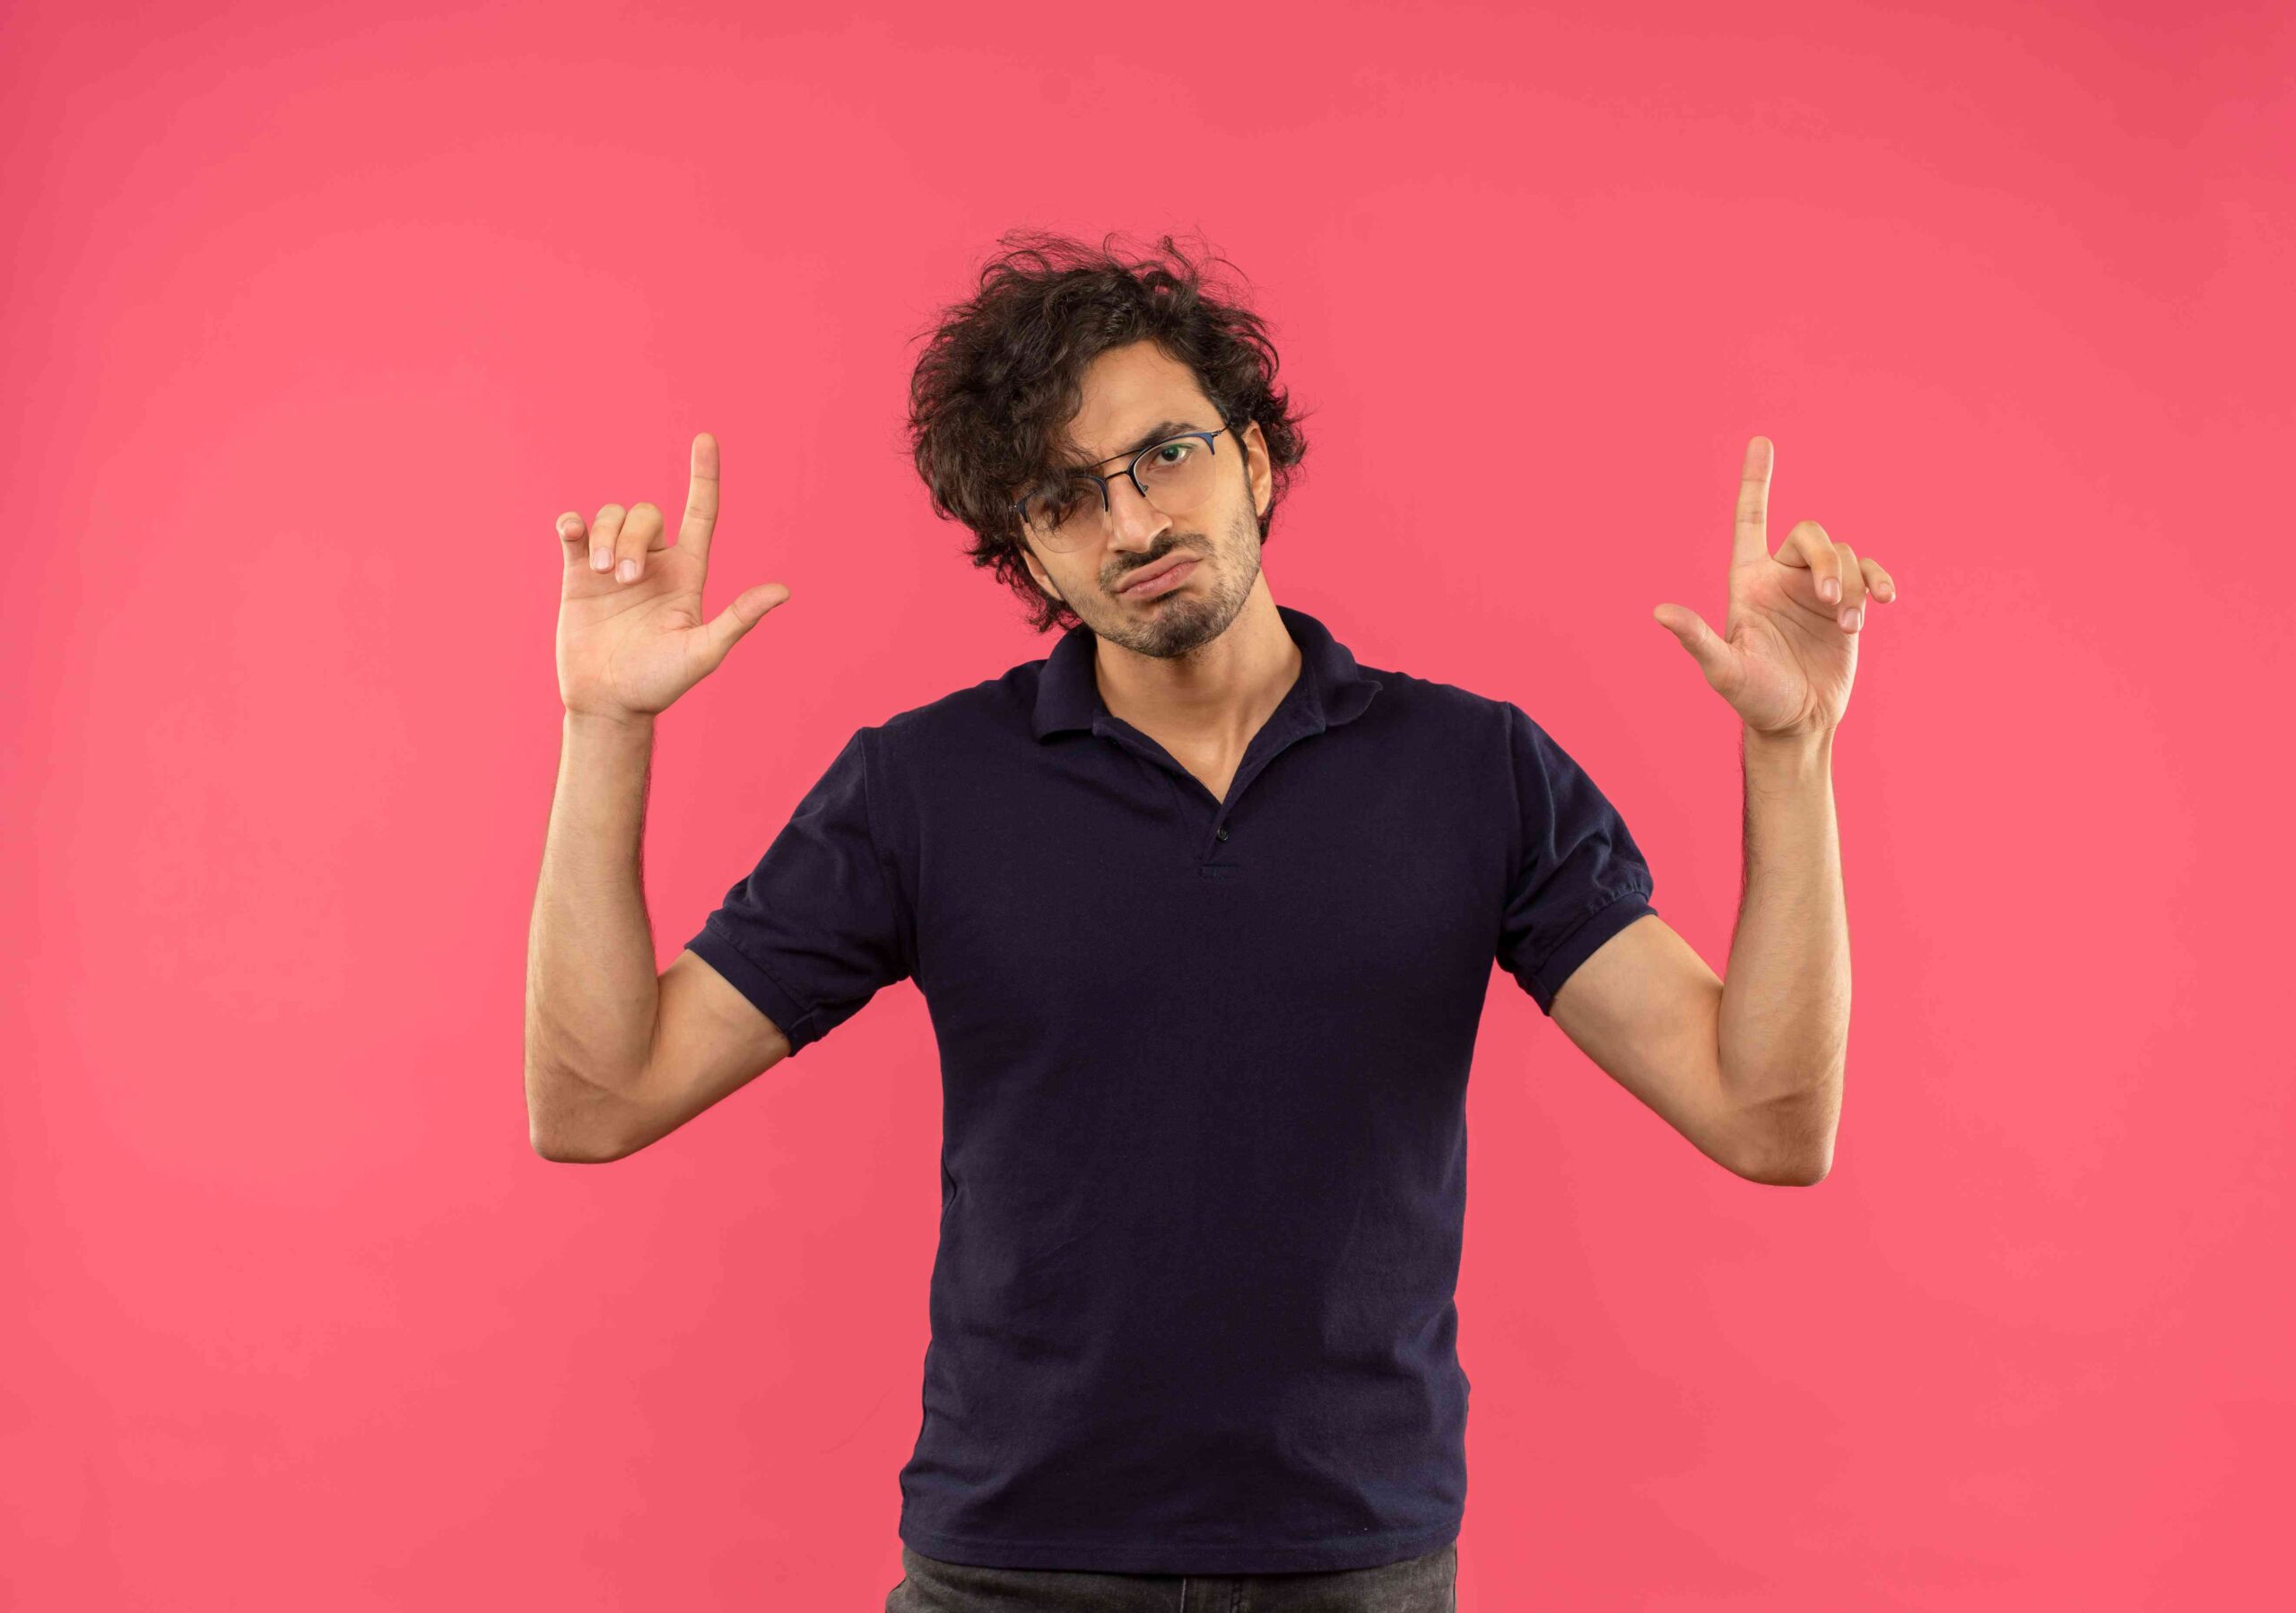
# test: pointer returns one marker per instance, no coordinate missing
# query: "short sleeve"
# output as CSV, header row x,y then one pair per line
x,y
1577,879
817,927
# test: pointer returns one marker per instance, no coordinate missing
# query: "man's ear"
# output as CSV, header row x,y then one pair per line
x,y
1043,582
1259,469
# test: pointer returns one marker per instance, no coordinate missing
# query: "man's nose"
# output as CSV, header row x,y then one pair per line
x,y
1134,520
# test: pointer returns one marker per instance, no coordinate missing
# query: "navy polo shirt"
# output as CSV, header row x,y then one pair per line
x,y
1204,1073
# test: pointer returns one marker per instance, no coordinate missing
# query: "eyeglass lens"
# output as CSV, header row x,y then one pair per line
x,y
1176,475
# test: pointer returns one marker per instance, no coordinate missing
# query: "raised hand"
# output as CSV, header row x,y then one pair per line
x,y
630,636
1788,649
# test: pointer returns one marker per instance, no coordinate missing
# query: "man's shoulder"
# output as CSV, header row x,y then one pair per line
x,y
1451,712
1432,696
965,717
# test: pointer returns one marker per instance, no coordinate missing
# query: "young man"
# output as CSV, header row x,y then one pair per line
x,y
1205,913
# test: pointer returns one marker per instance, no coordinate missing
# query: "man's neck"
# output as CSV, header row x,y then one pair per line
x,y
1214,699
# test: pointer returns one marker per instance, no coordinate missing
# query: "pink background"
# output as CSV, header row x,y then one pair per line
x,y
318,316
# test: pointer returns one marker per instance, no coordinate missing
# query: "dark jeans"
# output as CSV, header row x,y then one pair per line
x,y
1422,1584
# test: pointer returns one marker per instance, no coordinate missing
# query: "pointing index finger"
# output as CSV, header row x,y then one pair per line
x,y
1753,539
701,496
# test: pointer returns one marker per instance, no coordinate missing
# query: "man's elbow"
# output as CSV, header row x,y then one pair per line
x,y
571,1151
1789,1144
1805,1174
563,1127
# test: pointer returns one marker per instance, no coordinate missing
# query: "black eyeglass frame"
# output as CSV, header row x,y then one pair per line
x,y
1131,472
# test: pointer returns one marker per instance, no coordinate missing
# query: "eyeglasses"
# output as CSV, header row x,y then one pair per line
x,y
1064,512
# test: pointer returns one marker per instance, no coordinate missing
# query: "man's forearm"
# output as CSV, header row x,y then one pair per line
x,y
1785,1016
592,991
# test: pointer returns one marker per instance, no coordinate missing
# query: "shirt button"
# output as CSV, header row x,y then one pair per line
x,y
1223,834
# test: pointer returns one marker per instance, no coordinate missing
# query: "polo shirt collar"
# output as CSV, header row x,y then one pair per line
x,y
1331,689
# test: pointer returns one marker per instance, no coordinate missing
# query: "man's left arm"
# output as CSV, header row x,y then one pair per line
x,y
1747,1067
1784,1024
1750,1065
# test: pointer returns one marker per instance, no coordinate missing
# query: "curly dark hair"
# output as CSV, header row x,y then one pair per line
x,y
1004,372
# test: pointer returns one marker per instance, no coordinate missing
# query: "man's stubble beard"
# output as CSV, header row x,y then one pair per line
x,y
1205,605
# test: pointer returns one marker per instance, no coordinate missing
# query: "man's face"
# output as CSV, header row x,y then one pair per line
x,y
1128,393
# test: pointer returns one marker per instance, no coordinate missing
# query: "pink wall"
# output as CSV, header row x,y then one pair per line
x,y
317,318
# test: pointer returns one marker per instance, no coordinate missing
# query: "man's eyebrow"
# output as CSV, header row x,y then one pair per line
x,y
1155,434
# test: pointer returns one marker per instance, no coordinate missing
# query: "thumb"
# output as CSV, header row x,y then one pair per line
x,y
747,610
1706,647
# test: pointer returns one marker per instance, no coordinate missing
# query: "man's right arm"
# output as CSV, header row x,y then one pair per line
x,y
615,1056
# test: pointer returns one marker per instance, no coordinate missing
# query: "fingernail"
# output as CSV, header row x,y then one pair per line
x,y
600,559
627,570
1830,587
1852,618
